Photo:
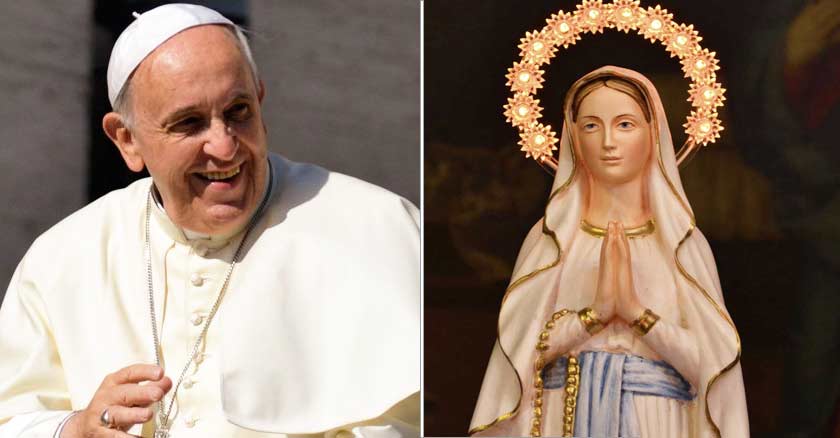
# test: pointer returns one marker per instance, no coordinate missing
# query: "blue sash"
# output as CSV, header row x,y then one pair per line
x,y
608,382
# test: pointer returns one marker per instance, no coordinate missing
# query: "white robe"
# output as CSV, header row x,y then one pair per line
x,y
318,331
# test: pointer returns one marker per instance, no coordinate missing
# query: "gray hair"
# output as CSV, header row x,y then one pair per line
x,y
122,104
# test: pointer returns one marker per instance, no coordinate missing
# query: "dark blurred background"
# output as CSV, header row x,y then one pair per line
x,y
767,194
342,90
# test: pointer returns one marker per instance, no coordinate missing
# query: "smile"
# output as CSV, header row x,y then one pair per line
x,y
217,176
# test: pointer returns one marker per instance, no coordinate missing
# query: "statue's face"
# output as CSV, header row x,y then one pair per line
x,y
613,137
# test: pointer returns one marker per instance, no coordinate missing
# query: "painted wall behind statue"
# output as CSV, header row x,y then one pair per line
x,y
342,91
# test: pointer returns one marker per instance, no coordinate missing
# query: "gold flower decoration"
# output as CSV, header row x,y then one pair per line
x,y
563,28
683,40
538,141
536,48
522,110
625,15
700,65
708,95
703,126
592,15
524,77
655,24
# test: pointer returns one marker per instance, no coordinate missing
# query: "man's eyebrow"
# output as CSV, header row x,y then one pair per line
x,y
179,113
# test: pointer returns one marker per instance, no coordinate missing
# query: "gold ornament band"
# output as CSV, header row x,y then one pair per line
x,y
590,320
564,29
644,322
539,363
572,383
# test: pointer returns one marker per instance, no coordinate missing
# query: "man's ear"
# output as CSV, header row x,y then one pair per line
x,y
261,91
116,129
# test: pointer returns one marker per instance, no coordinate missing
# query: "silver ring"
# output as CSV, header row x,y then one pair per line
x,y
106,420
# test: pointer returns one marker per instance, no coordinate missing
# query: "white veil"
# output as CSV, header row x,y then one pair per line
x,y
503,407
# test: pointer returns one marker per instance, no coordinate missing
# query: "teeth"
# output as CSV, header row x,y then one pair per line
x,y
213,176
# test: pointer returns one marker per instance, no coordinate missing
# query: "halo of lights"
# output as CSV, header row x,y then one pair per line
x,y
564,29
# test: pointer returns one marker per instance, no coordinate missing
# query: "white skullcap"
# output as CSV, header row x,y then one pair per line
x,y
147,32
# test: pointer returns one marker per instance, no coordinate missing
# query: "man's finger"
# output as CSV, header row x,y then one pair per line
x,y
136,373
131,394
164,384
124,417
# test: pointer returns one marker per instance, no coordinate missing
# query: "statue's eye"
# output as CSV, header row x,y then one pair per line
x,y
590,126
626,124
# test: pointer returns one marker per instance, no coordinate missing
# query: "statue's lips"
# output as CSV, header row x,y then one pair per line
x,y
611,160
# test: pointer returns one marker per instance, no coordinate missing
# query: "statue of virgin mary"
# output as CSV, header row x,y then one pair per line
x,y
614,322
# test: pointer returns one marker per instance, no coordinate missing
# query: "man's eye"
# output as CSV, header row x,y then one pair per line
x,y
188,125
239,112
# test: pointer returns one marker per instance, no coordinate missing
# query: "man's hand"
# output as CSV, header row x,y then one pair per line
x,y
127,401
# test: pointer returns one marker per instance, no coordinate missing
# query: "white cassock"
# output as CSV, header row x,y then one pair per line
x,y
318,332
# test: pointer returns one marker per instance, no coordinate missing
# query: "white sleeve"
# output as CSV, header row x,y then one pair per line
x,y
568,333
677,346
33,395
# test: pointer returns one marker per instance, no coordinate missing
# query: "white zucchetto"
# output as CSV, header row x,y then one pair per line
x,y
148,31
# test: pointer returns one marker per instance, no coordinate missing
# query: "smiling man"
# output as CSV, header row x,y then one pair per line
x,y
234,293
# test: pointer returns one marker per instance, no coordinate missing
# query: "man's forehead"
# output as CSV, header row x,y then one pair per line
x,y
147,33
199,67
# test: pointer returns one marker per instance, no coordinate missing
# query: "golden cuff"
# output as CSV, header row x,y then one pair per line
x,y
644,322
590,320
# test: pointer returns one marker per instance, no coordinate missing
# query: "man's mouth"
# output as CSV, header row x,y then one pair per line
x,y
220,176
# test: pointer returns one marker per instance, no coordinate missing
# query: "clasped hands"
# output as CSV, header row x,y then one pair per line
x,y
615,295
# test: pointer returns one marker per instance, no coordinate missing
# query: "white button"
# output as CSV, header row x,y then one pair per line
x,y
196,279
196,318
190,421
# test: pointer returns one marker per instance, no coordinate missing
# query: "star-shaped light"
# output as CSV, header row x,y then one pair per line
x,y
524,77
655,24
703,126
523,110
592,15
536,48
683,40
707,95
625,15
700,66
563,28
538,141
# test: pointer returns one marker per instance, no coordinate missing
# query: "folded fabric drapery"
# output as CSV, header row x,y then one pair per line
x,y
608,383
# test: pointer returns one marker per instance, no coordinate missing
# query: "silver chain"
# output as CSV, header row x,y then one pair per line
x,y
163,416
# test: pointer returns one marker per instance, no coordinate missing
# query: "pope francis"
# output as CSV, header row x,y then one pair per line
x,y
232,294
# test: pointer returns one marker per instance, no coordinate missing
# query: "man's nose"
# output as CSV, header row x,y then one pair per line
x,y
221,142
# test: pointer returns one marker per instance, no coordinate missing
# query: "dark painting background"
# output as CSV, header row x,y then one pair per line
x,y
766,194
